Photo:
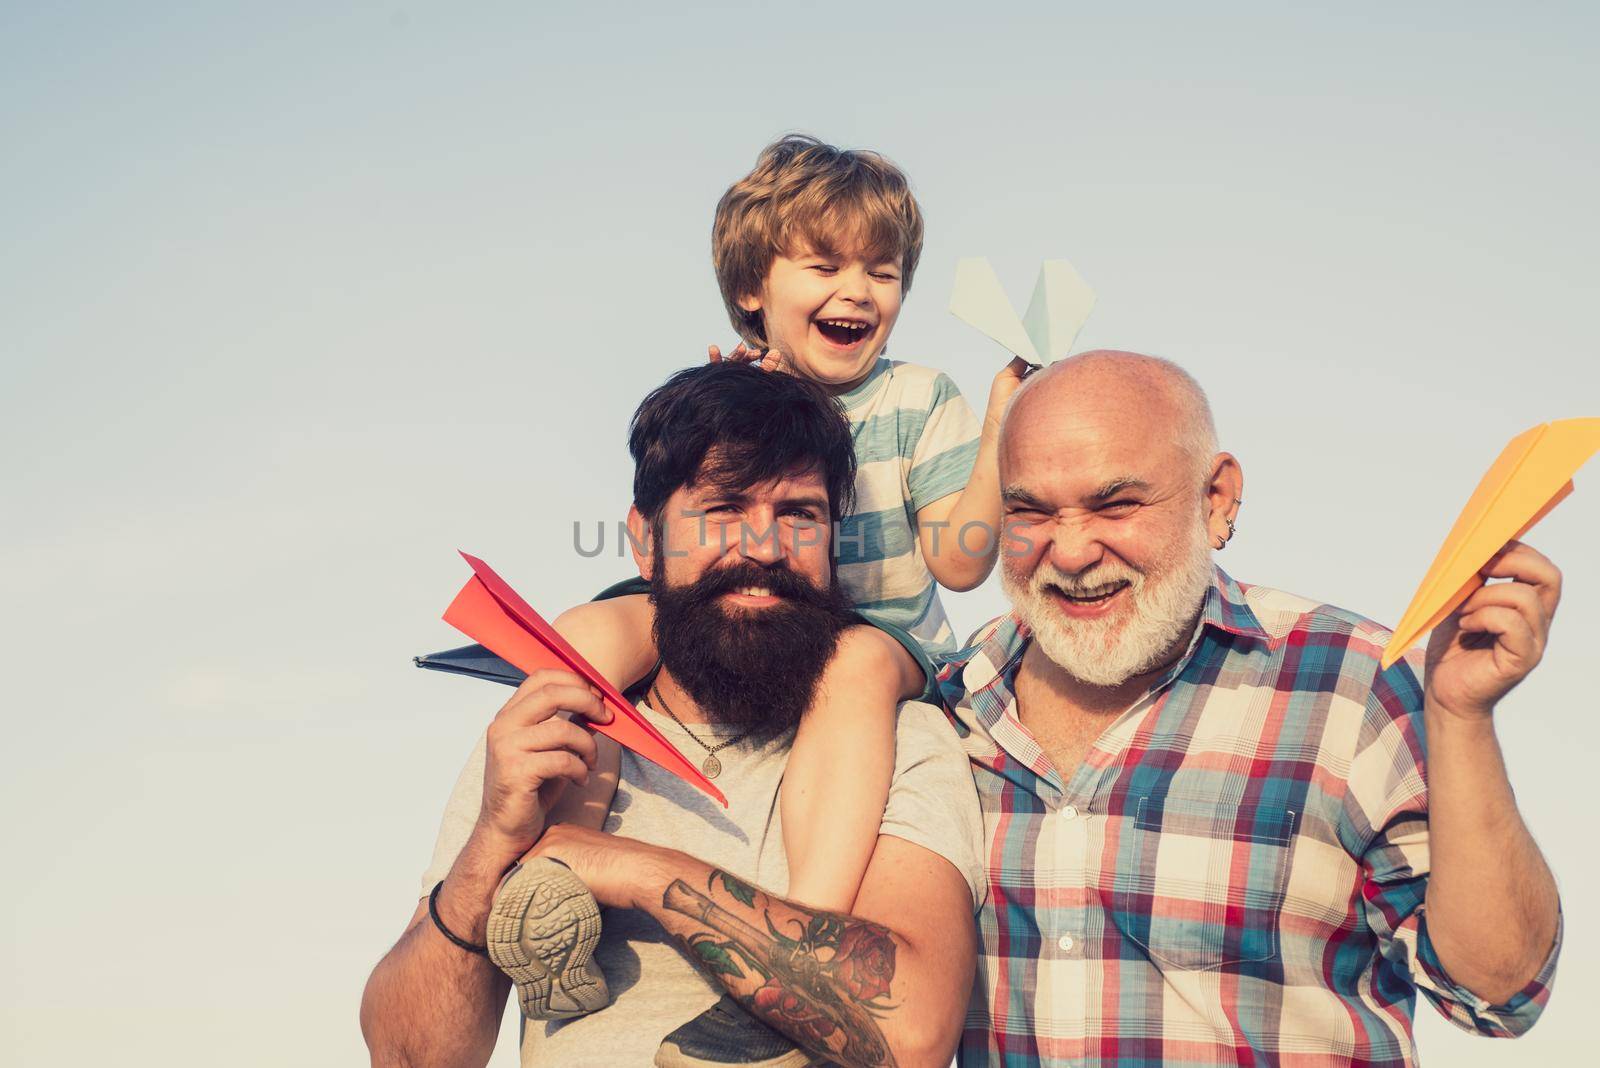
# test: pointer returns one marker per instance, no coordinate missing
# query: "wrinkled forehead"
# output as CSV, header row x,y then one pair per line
x,y
1077,447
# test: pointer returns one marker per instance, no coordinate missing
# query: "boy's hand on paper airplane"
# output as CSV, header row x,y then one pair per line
x,y
1007,382
1496,637
533,752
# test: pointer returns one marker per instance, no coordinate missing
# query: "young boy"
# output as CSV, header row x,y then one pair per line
x,y
814,250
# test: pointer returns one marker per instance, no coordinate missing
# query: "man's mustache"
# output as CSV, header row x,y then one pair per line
x,y
1051,577
780,581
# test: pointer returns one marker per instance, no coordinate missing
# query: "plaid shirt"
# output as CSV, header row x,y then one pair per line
x,y
1234,875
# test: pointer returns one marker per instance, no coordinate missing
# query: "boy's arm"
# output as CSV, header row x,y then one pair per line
x,y
959,553
887,985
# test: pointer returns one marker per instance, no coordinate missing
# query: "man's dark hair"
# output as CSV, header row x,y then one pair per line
x,y
763,425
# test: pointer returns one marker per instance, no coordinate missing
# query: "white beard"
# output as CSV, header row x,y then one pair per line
x,y
1160,609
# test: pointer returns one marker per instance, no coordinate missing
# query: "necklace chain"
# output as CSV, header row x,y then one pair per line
x,y
711,750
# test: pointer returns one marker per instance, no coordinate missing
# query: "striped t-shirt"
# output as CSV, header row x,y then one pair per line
x,y
916,440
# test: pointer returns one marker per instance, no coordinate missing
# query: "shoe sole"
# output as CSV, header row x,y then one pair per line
x,y
727,1036
671,1056
543,927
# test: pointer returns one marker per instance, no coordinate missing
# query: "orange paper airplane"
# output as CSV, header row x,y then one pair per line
x,y
1533,475
491,613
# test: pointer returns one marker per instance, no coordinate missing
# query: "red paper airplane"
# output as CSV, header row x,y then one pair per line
x,y
492,614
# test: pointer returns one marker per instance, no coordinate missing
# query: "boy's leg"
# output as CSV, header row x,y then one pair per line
x,y
832,798
837,778
589,804
615,635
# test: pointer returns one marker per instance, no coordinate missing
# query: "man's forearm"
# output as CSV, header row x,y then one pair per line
x,y
841,987
1491,900
432,1003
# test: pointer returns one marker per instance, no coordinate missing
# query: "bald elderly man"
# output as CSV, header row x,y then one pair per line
x,y
1210,838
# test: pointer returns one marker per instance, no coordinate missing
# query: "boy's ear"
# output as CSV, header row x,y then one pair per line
x,y
750,302
639,543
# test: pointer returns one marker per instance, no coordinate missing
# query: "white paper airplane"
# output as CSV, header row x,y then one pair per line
x,y
1061,304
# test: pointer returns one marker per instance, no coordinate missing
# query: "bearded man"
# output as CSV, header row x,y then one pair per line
x,y
1210,838
738,475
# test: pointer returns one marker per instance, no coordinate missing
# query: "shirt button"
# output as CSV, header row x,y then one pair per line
x,y
1065,942
1070,812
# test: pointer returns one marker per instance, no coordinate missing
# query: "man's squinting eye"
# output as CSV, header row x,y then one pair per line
x,y
1120,507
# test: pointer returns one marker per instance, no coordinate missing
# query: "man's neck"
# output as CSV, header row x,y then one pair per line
x,y
683,706
1066,715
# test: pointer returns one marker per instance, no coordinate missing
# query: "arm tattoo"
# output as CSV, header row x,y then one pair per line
x,y
819,977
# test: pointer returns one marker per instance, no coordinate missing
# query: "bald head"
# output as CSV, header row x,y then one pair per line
x,y
1146,396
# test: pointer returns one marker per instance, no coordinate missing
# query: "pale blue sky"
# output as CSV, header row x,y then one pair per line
x,y
299,298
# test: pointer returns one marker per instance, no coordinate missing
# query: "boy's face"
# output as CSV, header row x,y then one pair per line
x,y
829,316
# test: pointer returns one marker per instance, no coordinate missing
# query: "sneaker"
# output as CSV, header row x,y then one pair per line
x,y
725,1034
543,927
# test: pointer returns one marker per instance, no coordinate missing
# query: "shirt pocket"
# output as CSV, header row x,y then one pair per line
x,y
1200,884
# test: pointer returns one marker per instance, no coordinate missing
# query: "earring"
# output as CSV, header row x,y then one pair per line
x,y
1232,530
1222,542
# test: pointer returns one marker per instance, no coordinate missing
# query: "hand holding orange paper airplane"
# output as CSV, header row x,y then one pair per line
x,y
1532,475
490,612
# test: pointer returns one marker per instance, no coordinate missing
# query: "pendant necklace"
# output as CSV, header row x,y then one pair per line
x,y
710,767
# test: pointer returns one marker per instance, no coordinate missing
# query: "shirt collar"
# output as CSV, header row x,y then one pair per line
x,y
867,386
1227,609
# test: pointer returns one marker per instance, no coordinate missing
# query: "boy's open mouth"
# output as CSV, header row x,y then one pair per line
x,y
845,332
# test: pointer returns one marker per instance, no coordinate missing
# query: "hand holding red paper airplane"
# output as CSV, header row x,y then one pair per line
x,y
491,612
1498,635
533,752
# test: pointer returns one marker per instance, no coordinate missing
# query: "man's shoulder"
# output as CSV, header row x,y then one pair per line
x,y
932,800
1338,649
923,730
1283,615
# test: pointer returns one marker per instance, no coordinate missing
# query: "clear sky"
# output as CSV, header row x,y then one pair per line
x,y
297,299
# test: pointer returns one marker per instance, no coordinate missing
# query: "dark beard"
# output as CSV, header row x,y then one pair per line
x,y
750,669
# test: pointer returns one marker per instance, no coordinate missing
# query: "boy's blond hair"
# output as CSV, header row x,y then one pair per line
x,y
803,193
